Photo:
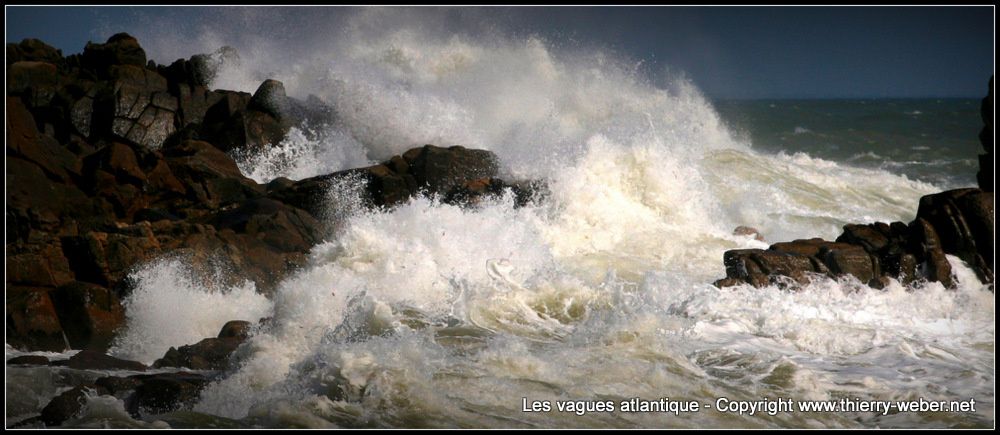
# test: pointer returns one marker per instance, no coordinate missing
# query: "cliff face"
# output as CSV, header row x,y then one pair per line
x,y
113,160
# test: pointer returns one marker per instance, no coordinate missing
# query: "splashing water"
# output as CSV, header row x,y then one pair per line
x,y
432,315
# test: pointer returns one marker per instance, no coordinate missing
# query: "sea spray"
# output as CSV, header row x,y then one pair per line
x,y
403,318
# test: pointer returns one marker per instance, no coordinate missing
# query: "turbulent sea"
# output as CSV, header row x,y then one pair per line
x,y
432,315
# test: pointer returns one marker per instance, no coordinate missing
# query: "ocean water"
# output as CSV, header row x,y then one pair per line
x,y
931,140
432,315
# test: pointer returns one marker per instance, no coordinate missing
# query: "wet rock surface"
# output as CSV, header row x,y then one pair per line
x,y
958,222
113,161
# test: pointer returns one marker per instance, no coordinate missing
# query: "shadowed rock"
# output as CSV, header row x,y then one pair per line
x,y
210,353
31,360
93,360
165,392
66,405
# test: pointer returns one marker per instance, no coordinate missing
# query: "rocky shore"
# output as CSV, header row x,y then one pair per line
x,y
113,160
957,222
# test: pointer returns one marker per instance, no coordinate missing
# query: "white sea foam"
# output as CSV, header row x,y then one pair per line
x,y
172,306
434,315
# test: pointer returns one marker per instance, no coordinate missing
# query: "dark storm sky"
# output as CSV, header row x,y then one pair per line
x,y
729,52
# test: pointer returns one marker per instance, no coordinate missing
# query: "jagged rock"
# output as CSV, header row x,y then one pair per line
x,y
764,267
927,244
142,111
272,222
88,313
194,102
23,140
207,354
35,203
230,124
963,221
850,260
210,353
212,177
35,82
28,360
120,49
456,173
32,50
39,265
104,258
118,160
105,171
799,260
32,321
957,222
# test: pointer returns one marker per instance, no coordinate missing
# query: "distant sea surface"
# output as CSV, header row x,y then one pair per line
x,y
930,140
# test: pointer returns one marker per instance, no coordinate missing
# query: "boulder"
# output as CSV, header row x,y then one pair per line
x,y
270,99
32,50
120,49
232,123
764,267
239,329
210,353
207,354
66,405
798,260
164,392
440,169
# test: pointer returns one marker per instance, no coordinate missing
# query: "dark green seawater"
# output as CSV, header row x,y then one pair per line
x,y
931,140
